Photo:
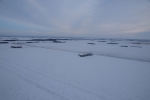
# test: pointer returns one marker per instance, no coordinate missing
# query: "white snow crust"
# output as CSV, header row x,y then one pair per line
x,y
54,71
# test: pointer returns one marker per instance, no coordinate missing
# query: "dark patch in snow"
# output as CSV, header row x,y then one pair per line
x,y
16,46
86,54
3,42
136,46
124,46
101,41
112,43
91,43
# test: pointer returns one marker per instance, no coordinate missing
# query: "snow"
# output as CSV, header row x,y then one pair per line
x,y
54,71
103,49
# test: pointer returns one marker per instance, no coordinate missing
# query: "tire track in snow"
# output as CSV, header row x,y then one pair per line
x,y
65,83
35,84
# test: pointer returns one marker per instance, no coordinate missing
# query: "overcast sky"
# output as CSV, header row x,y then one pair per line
x,y
89,18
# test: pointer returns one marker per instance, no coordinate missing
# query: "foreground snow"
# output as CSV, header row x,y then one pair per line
x,y
34,73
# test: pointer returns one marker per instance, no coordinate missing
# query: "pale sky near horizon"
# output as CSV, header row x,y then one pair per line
x,y
89,18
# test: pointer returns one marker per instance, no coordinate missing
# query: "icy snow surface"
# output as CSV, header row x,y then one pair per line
x,y
54,71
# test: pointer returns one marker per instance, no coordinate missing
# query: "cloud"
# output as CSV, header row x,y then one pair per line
x,y
73,17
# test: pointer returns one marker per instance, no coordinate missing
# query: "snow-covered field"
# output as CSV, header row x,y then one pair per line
x,y
54,71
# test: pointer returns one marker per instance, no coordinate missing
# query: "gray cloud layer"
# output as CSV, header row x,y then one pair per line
x,y
75,17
